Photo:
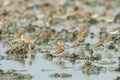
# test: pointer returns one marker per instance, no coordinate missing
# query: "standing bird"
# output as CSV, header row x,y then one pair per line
x,y
59,50
114,31
80,39
55,35
85,34
107,40
76,43
72,26
20,44
82,29
2,25
97,45
43,33
29,41
17,37
60,46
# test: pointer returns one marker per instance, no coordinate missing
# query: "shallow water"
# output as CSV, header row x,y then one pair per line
x,y
41,68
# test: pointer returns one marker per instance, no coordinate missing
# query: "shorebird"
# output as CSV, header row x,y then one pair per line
x,y
109,19
114,30
99,43
43,33
85,34
31,45
17,37
80,39
59,49
107,40
59,52
29,41
62,37
86,14
76,43
95,15
20,44
82,29
1,25
72,26
104,13
24,38
55,35
22,30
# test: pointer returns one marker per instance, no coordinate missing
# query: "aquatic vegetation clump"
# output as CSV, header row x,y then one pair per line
x,y
14,75
117,78
60,75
